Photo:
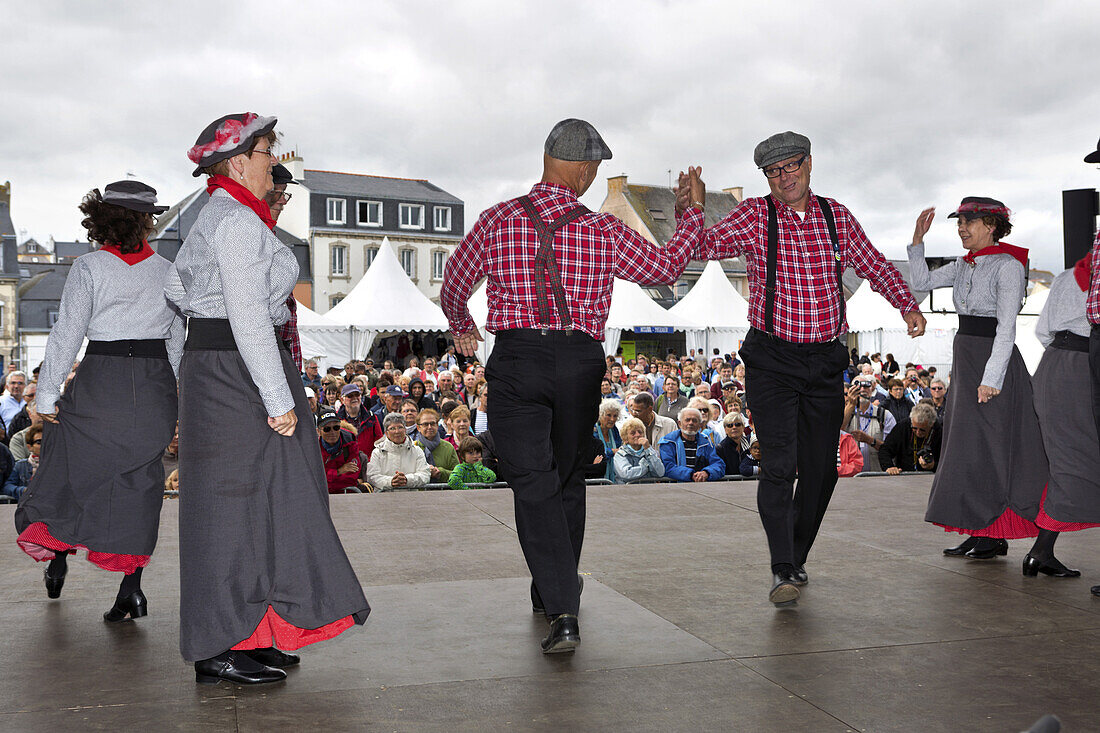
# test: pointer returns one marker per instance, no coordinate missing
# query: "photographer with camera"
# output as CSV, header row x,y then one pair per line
x,y
868,423
914,445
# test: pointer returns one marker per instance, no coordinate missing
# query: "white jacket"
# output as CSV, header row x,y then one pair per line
x,y
388,458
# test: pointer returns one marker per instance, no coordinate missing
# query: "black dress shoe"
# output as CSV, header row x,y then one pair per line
x,y
564,636
54,583
1095,590
133,605
961,549
235,667
988,548
784,590
272,657
536,600
800,577
1052,567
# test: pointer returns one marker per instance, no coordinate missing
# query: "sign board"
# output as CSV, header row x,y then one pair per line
x,y
653,329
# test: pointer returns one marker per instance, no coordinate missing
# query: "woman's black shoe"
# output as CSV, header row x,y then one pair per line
x,y
564,636
1095,590
54,583
133,605
1052,567
961,549
988,548
272,657
235,667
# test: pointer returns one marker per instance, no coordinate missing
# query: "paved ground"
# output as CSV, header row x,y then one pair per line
x,y
890,635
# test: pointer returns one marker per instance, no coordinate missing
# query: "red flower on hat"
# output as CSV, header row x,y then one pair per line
x,y
227,137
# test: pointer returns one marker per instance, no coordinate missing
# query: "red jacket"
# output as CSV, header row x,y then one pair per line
x,y
369,427
347,450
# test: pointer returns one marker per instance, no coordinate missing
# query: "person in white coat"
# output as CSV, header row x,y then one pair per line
x,y
397,463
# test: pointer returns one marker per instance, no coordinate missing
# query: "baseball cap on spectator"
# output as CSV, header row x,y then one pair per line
x,y
350,388
393,390
326,417
729,385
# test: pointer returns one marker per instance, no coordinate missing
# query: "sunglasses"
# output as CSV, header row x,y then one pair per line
x,y
33,442
331,429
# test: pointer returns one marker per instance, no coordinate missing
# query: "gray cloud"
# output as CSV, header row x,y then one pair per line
x,y
908,105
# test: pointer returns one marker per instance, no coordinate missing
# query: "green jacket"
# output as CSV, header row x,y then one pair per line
x,y
470,473
444,458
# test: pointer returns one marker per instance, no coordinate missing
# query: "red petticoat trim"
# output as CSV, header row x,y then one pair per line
x,y
1008,526
1046,521
37,542
274,631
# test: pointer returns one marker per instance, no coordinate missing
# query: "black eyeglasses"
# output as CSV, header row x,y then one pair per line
x,y
33,442
777,170
331,429
283,197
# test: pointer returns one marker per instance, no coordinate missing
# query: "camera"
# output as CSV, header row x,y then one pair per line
x,y
925,454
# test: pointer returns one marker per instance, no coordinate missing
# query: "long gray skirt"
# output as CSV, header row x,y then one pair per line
x,y
992,468
1063,401
255,529
100,481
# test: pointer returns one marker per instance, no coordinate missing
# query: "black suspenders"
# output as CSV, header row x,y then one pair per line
x,y
546,266
773,256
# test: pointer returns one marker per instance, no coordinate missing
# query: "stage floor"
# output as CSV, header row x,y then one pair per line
x,y
678,635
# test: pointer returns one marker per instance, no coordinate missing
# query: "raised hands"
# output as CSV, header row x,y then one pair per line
x,y
690,189
924,222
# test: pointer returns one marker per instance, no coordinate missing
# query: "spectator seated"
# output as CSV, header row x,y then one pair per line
x,y
636,459
397,462
688,456
470,470
339,453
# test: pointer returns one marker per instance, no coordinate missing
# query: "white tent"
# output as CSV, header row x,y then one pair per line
x,y
714,302
329,342
631,308
385,301
478,306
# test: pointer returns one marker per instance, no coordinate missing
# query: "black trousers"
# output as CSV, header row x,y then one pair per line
x,y
795,393
1094,372
544,397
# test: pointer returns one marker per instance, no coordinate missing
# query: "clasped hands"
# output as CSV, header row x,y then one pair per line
x,y
690,190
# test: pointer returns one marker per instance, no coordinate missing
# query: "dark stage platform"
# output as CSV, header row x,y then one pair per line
x,y
678,635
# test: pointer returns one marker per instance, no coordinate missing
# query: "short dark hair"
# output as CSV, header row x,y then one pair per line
x,y
643,398
110,224
469,443
1002,227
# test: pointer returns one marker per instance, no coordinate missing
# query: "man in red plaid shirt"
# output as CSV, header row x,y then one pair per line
x,y
550,264
1092,310
796,246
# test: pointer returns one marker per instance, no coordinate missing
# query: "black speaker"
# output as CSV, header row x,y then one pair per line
x,y
1079,209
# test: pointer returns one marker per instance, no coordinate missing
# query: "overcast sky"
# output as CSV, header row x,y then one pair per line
x,y
907,104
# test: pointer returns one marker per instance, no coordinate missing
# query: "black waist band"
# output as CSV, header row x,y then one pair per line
x,y
978,326
144,348
215,334
1070,341
569,334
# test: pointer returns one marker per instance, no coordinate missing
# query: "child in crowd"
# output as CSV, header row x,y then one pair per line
x,y
458,426
750,464
470,471
636,459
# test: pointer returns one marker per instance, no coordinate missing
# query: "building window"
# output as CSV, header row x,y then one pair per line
x,y
339,259
408,261
412,216
443,218
335,300
370,213
370,254
439,264
336,211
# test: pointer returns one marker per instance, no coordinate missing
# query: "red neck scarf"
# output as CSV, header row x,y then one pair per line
x,y
1020,253
243,195
130,258
1081,273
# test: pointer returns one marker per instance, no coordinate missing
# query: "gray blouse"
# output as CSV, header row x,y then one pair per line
x,y
232,266
106,299
993,287
1064,310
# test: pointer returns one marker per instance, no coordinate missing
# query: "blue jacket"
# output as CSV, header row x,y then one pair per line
x,y
19,478
675,459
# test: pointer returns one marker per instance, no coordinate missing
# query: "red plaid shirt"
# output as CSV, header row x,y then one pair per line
x,y
807,306
591,252
289,332
1092,305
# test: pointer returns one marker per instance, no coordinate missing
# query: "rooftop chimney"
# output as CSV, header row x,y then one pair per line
x,y
5,193
616,184
738,193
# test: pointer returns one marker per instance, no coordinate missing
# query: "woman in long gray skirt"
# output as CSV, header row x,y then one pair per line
x,y
992,469
100,480
1063,401
261,565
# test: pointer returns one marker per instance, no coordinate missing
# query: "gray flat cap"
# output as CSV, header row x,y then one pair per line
x,y
574,139
780,146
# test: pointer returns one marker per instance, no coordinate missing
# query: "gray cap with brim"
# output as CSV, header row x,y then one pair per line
x,y
780,146
576,140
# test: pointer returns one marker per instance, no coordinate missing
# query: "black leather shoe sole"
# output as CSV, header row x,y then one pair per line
x,y
784,592
228,667
132,606
272,657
